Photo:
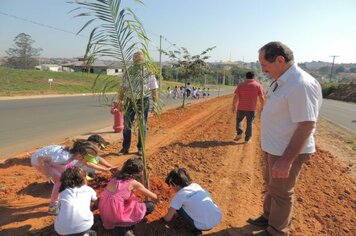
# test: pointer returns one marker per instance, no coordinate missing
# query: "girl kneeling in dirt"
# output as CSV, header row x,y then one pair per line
x,y
75,216
100,143
52,160
118,205
192,202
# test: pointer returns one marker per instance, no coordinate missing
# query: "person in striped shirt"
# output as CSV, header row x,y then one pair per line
x,y
244,104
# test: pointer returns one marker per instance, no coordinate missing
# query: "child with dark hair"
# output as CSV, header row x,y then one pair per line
x,y
98,140
118,205
75,216
52,161
191,202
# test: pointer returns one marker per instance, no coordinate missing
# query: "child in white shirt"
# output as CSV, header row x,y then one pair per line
x,y
75,216
192,202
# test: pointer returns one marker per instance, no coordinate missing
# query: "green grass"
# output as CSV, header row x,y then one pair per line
x,y
15,82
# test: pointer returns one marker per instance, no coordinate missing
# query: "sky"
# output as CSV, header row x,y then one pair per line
x,y
314,29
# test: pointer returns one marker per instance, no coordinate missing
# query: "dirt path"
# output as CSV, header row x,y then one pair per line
x,y
199,138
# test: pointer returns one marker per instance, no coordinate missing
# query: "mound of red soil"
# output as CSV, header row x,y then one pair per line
x,y
200,139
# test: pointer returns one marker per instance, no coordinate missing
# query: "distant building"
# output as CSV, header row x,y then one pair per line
x,y
49,67
98,66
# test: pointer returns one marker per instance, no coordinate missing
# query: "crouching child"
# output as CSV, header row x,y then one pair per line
x,y
192,203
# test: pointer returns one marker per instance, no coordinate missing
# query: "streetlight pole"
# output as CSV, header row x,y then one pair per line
x,y
160,61
332,67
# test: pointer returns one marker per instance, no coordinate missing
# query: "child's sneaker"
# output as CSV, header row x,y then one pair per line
x,y
238,136
53,210
90,233
129,233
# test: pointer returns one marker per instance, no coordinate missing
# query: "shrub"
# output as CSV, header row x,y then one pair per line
x,y
328,88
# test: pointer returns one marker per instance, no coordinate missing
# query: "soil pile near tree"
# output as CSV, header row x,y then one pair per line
x,y
199,138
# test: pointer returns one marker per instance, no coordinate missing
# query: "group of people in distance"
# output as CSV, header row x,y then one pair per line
x,y
288,122
187,91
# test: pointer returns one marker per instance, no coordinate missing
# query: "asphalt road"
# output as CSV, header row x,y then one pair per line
x,y
340,113
29,123
26,124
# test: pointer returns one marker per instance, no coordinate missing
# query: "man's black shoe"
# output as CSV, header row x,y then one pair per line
x,y
259,221
123,152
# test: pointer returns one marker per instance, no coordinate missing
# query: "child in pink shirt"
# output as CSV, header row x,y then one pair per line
x,y
118,205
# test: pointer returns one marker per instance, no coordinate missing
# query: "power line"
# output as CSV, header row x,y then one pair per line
x,y
83,36
42,25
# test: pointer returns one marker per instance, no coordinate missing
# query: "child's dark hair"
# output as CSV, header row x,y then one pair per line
x,y
83,147
250,75
131,169
97,139
178,176
71,178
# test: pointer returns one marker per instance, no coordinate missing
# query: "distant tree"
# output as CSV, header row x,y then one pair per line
x,y
192,65
353,70
22,55
238,73
324,69
340,69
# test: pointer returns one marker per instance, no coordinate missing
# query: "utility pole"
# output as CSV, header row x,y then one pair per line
x,y
332,67
160,61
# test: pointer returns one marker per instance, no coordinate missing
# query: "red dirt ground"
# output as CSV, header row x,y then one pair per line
x,y
199,138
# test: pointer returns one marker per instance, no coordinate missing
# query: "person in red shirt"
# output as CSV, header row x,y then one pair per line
x,y
244,104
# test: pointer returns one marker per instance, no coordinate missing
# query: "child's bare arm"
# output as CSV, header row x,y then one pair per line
x,y
171,212
137,185
94,166
105,163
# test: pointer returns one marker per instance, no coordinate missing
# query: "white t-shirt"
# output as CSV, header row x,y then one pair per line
x,y
149,83
59,155
74,213
198,204
297,98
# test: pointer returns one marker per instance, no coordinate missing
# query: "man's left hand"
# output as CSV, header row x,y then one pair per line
x,y
281,169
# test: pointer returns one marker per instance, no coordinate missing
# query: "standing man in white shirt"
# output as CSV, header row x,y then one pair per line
x,y
288,122
150,86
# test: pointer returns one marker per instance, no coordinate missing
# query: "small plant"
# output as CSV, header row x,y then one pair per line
x,y
117,35
191,65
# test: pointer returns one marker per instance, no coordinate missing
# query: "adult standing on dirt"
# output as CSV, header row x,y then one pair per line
x,y
244,104
288,122
150,85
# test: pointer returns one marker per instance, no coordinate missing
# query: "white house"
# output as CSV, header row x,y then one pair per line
x,y
98,66
49,67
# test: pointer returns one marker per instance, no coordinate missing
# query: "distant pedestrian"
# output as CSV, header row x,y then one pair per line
x,y
288,122
176,92
244,104
169,92
188,90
